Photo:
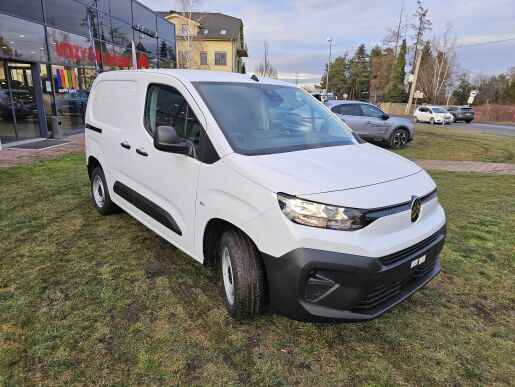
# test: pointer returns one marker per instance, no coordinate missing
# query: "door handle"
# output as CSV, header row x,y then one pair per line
x,y
125,145
368,122
141,151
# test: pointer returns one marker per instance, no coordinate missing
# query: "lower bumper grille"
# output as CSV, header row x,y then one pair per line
x,y
382,294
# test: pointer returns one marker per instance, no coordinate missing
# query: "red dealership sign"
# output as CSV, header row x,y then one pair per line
x,y
79,53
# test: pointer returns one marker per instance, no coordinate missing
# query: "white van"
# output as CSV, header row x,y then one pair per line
x,y
256,176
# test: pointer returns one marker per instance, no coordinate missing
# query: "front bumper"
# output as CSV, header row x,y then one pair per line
x,y
322,286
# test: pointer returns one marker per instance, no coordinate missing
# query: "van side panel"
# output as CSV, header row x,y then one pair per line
x,y
112,105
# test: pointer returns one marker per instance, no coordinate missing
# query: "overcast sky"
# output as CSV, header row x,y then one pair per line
x,y
297,29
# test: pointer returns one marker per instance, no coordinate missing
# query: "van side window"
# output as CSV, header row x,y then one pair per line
x,y
165,106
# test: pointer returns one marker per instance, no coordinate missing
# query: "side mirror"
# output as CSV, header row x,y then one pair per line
x,y
167,140
385,116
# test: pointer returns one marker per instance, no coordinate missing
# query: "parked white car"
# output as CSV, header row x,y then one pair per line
x,y
432,114
259,178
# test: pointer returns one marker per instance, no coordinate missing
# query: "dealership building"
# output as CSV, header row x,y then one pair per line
x,y
51,51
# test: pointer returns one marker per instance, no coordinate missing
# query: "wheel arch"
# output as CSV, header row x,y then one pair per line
x,y
92,163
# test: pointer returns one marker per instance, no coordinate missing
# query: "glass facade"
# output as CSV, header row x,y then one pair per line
x,y
51,50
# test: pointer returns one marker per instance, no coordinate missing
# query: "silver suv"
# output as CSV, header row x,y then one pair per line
x,y
372,124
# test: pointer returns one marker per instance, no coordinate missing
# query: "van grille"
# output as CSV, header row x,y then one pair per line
x,y
382,294
374,214
389,259
378,296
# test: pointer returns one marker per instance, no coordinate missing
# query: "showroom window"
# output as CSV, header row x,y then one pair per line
x,y
30,9
121,9
68,15
22,39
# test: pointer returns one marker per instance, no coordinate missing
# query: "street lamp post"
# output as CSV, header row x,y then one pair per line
x,y
331,45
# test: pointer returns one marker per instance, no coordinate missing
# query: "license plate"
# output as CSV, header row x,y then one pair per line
x,y
418,261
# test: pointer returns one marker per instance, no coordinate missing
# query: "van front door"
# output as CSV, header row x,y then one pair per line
x,y
165,184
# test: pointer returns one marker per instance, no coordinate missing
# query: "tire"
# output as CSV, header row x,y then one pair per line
x,y
415,118
243,276
100,193
432,121
398,139
468,121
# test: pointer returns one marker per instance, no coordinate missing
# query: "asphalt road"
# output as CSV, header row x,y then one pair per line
x,y
502,130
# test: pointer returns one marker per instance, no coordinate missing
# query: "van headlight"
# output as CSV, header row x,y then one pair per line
x,y
320,215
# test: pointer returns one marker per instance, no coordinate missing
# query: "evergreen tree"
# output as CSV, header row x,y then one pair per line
x,y
395,90
462,91
509,92
359,74
338,77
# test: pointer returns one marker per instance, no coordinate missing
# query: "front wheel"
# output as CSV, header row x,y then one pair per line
x,y
243,276
468,121
398,139
432,121
415,119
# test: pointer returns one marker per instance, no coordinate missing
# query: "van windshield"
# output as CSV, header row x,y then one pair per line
x,y
265,119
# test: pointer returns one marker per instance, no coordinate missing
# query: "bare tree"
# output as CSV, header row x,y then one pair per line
x,y
423,25
438,72
189,47
265,68
393,35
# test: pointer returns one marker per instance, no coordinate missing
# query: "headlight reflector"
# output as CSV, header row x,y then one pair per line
x,y
320,215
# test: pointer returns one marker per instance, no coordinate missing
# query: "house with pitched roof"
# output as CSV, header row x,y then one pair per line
x,y
208,41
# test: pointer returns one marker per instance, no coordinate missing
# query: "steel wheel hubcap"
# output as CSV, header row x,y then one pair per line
x,y
228,275
399,139
98,191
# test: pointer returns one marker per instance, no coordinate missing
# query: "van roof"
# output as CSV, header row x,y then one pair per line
x,y
199,76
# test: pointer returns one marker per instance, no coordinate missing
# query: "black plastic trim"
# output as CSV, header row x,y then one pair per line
x,y
93,128
359,288
147,206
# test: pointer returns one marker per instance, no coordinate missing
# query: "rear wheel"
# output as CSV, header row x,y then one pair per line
x,y
432,121
243,276
398,139
100,193
468,121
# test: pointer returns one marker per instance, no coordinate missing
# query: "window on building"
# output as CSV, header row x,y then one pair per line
x,y
69,16
104,27
185,29
166,50
30,9
121,32
203,58
220,58
144,17
165,29
166,106
223,32
22,39
121,9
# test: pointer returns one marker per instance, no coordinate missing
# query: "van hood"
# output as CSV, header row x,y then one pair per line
x,y
320,170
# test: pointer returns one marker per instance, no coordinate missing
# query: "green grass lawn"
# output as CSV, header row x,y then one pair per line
x,y
446,143
102,300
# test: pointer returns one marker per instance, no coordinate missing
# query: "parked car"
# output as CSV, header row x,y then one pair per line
x,y
432,114
72,103
372,124
256,176
462,113
23,101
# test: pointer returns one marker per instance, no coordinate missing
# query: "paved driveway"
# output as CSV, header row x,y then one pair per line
x,y
499,129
